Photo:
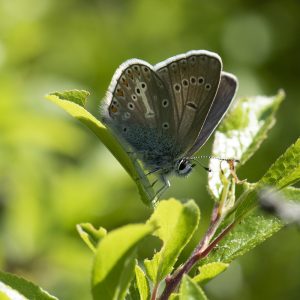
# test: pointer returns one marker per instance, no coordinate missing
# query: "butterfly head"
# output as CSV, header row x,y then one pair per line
x,y
183,167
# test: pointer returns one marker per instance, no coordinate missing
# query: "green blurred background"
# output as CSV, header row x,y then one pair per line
x,y
54,173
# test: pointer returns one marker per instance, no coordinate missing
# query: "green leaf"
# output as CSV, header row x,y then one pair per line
x,y
15,286
142,283
209,271
250,232
285,171
241,133
152,266
189,290
114,260
90,235
174,296
177,223
126,275
69,100
291,193
253,229
76,96
133,292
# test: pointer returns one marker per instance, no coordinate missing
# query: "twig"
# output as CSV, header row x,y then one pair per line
x,y
201,251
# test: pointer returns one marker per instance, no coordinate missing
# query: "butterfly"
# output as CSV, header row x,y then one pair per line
x,y
165,113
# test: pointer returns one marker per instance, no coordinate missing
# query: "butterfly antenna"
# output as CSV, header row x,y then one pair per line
x,y
230,162
204,167
218,158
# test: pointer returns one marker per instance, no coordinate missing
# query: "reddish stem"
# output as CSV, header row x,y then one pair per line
x,y
154,292
202,250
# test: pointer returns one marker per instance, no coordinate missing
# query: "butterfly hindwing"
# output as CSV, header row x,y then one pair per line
x,y
221,103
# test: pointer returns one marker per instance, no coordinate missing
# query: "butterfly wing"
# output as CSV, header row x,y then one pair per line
x,y
192,80
139,109
225,94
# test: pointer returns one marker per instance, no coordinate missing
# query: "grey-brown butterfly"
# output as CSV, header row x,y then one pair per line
x,y
163,114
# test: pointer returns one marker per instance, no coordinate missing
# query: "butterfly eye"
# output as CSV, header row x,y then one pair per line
x,y
184,167
208,86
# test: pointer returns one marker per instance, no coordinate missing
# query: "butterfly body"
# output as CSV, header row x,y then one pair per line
x,y
164,113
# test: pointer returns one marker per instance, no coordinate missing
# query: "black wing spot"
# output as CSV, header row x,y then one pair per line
x,y
143,85
200,80
192,105
165,125
208,86
165,102
177,87
131,106
185,82
193,60
193,80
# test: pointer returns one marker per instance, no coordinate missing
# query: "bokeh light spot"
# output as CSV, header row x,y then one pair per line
x,y
247,39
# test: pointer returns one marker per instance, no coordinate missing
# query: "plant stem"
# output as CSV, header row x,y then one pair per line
x,y
154,292
200,252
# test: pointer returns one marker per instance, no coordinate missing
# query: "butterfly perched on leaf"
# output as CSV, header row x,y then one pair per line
x,y
163,114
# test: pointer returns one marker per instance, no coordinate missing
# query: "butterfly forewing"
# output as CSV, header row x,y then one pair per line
x,y
141,110
192,81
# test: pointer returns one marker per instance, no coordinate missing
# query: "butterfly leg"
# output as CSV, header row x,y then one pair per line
x,y
143,176
166,185
153,171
